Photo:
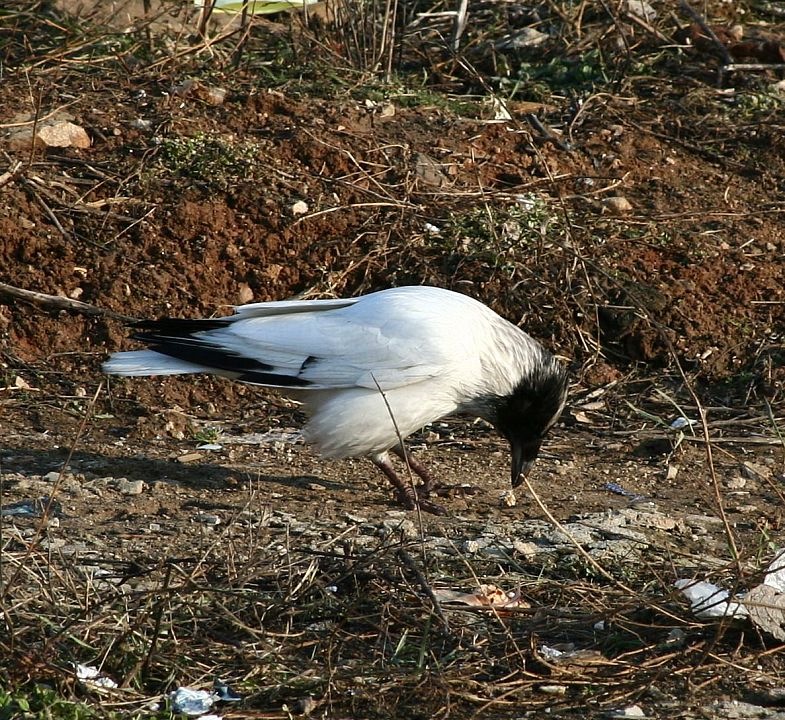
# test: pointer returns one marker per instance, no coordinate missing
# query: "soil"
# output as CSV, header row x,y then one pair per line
x,y
185,205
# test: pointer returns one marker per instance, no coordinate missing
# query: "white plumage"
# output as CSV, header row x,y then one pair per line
x,y
415,354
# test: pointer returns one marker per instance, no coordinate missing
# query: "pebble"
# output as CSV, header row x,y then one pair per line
x,y
130,487
632,711
51,477
617,205
471,546
755,471
359,519
553,689
404,526
189,457
736,483
529,550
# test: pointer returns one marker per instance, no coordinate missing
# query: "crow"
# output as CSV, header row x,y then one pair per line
x,y
373,369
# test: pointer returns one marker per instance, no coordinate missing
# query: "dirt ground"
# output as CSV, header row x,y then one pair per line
x,y
625,209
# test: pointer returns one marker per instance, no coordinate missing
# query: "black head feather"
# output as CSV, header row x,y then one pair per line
x,y
525,416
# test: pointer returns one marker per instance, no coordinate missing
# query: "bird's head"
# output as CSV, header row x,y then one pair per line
x,y
525,415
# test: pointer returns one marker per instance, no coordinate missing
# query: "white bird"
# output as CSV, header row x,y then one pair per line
x,y
372,370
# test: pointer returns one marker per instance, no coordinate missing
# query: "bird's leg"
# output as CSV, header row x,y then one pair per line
x,y
405,493
417,467
429,484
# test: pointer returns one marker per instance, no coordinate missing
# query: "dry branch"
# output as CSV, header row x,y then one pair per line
x,y
57,302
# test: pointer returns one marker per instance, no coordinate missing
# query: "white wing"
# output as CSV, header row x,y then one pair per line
x,y
391,339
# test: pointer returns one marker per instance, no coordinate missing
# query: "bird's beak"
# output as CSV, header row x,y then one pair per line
x,y
523,457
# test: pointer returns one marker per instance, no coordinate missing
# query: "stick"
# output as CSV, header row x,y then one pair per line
x,y
424,585
698,18
57,302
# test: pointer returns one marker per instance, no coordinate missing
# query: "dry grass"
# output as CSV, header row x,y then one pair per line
x,y
284,619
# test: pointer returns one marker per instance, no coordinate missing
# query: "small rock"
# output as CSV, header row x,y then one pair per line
x,y
244,293
64,134
51,477
189,457
213,95
553,689
529,550
617,205
471,547
316,487
141,124
508,499
393,525
130,487
755,471
359,519
632,711
299,208
736,483
641,9
208,519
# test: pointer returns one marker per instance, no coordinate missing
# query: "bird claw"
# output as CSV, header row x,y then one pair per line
x,y
414,497
446,490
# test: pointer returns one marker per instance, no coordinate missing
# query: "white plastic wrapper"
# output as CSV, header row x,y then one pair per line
x,y
93,677
710,601
191,702
775,577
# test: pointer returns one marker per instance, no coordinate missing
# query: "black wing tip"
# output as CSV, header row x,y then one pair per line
x,y
152,330
274,380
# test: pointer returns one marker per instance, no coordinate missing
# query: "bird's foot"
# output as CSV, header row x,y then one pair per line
x,y
411,498
449,490
408,495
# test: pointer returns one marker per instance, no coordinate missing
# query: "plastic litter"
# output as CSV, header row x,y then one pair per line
x,y
191,702
91,676
32,508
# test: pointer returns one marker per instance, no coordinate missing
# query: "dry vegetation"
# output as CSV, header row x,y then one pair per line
x,y
614,188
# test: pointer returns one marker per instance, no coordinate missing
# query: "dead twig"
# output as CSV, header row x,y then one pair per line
x,y
11,175
698,18
408,560
57,302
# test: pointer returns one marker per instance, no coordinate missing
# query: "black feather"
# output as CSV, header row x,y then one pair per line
x,y
201,353
274,380
184,339
176,327
535,404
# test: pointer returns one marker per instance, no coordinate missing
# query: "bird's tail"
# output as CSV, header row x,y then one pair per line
x,y
148,362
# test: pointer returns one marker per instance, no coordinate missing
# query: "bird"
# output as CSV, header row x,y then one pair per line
x,y
371,370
